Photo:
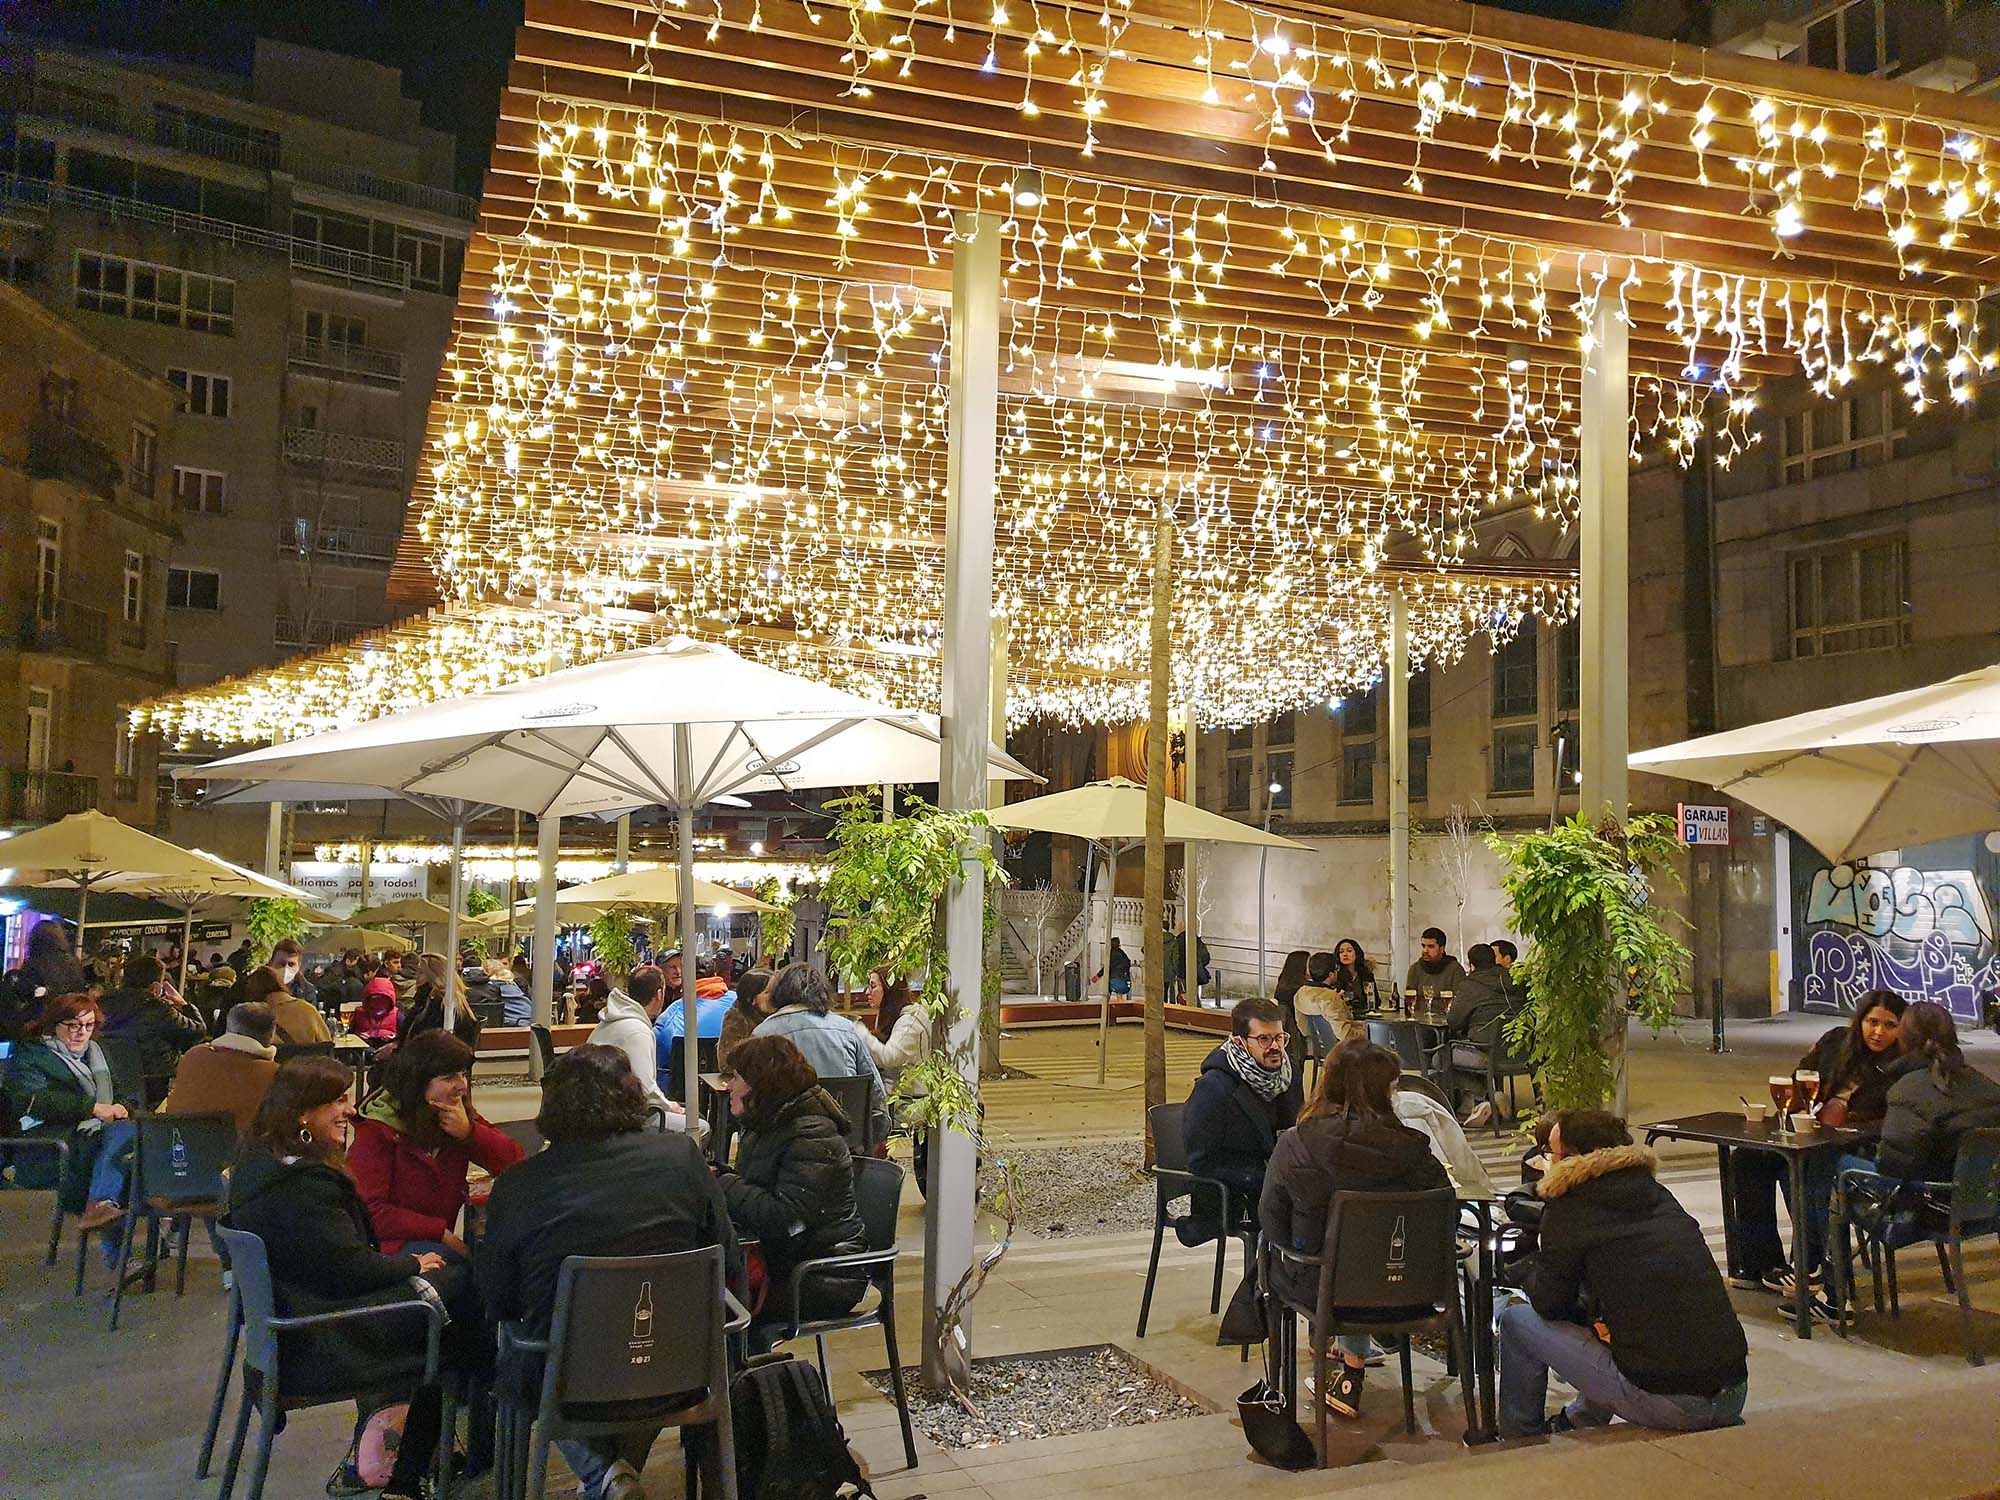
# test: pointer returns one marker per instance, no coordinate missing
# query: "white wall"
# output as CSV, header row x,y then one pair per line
x,y
1341,889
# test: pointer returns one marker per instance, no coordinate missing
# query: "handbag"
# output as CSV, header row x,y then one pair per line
x,y
1268,1420
1243,1321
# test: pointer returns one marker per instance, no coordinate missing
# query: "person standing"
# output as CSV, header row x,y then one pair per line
x,y
1245,1095
1119,962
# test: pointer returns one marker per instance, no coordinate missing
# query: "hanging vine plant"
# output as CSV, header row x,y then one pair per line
x,y
1582,897
273,919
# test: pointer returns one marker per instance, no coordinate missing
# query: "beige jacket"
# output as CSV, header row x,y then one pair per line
x,y
1318,1000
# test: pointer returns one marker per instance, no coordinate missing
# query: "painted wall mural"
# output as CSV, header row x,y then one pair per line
x,y
1922,927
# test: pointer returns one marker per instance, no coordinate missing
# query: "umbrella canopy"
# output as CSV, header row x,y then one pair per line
x,y
411,911
1114,811
601,737
335,939
659,886
221,878
1880,774
89,849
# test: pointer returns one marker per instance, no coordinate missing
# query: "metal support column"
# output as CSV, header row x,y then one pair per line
x,y
1604,728
1398,679
1190,864
621,858
455,885
542,973
274,841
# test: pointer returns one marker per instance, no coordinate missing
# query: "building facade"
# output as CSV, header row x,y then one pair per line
x,y
283,248
86,529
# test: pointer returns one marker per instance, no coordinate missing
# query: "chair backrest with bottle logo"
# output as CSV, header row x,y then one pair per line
x,y
636,1328
1390,1249
183,1158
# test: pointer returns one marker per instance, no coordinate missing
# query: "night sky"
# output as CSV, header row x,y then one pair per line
x,y
453,53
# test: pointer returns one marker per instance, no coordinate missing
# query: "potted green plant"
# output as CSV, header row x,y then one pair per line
x,y
1599,948
273,919
612,941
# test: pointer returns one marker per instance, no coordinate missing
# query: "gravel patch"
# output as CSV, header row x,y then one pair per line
x,y
1046,1395
1096,1189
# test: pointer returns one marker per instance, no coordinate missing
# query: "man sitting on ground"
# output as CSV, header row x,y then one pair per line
x,y
231,1074
1435,972
627,1024
605,1186
1626,1303
1245,1094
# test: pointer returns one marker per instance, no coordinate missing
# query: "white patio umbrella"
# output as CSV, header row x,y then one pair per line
x,y
90,849
659,886
680,724
1879,774
222,881
411,911
1112,816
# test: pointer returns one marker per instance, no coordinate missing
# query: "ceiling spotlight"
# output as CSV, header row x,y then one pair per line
x,y
1027,188
836,356
1517,358
756,846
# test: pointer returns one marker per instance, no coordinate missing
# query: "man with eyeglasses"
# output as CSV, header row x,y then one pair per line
x,y
1247,1092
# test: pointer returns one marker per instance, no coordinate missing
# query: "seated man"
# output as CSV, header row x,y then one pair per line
x,y
231,1074
1246,1093
1435,972
604,1186
712,999
1625,1301
1483,997
628,1024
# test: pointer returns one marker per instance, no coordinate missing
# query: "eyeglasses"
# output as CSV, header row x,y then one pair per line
x,y
76,1024
1265,1041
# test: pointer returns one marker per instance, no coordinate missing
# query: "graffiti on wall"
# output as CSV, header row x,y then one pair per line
x,y
1926,934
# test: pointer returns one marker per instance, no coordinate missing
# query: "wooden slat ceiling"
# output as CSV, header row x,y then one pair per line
x,y
699,362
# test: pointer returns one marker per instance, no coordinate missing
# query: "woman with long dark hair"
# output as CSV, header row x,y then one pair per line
x,y
1293,977
1348,1139
291,1189
743,1018
899,1032
1935,1096
1353,975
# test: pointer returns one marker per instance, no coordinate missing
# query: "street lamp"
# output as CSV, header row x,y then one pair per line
x,y
1263,859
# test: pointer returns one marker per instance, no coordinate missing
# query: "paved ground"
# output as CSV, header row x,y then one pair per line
x,y
1894,1411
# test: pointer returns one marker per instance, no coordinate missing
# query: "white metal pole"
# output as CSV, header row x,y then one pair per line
x,y
888,801
1190,862
1111,849
1397,678
456,887
1263,860
690,1033
621,859
1604,730
274,840
971,452
542,973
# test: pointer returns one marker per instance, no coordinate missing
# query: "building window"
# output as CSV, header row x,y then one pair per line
x,y
1357,713
194,588
334,328
1514,759
1836,436
202,394
423,254
41,726
124,754
48,567
22,270
1515,682
1283,729
149,293
133,601
1420,698
1569,664
1236,787
144,455
204,491
1852,36
1420,769
1849,599
1278,767
1357,772
1242,739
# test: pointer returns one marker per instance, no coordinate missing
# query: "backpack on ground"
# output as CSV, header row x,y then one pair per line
x,y
789,1442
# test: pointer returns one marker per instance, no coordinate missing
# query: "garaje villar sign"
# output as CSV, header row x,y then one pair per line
x,y
1704,825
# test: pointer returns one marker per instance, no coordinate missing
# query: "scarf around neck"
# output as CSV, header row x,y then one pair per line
x,y
92,1071
1266,1083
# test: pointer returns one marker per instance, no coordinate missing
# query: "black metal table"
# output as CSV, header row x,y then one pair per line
x,y
1418,1035
1729,1131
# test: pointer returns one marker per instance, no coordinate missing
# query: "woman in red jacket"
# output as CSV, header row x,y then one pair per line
x,y
414,1143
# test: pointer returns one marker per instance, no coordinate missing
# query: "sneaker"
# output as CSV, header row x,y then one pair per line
x,y
1747,1283
346,1482
99,1214
622,1482
1779,1280
1343,1391
1818,1307
1482,1114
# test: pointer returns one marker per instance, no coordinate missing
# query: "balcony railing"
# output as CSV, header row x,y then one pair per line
x,y
341,543
291,632
314,447
365,184
351,265
44,796
343,361
61,450
132,634
65,625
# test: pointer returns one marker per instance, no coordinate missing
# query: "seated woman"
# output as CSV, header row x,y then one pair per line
x,y
375,1019
744,1017
516,1009
291,1189
1348,1139
60,1086
1853,1063
425,1010
793,1185
1935,1097
415,1142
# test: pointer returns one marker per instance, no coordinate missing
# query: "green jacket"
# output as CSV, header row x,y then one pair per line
x,y
40,1086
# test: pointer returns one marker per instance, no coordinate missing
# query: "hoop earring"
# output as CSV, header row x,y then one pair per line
x,y
305,1135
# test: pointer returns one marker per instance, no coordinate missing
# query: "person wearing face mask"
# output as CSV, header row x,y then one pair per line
x,y
290,1187
298,1021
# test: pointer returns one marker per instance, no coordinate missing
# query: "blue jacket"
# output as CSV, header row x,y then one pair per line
x,y
835,1049
708,1016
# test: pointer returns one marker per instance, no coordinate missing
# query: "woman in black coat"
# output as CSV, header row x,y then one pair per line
x,y
1935,1097
793,1186
1348,1139
290,1188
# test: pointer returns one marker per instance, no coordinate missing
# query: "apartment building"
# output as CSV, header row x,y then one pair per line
x,y
283,248
85,531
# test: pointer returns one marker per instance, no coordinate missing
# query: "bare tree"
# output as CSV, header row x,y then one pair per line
x,y
1460,851
1039,905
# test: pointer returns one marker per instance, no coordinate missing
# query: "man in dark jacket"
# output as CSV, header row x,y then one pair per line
x,y
1435,972
147,1010
1244,1095
604,1186
1625,1301
1484,997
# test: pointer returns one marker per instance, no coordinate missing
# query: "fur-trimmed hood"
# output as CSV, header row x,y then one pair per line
x,y
1573,1171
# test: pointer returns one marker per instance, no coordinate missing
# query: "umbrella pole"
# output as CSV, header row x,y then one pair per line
x,y
82,910
451,922
187,939
1104,999
690,1030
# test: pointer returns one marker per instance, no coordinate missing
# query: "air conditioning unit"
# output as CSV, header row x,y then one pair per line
x,y
1773,39
1948,75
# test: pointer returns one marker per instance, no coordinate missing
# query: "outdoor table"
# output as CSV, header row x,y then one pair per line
x,y
1424,1029
345,1047
1730,1131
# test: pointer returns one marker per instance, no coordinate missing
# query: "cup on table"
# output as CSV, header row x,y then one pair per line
x,y
1757,1114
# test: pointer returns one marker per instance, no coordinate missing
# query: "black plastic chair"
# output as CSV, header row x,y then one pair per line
x,y
878,1190
265,1372
180,1167
852,1095
1389,1267
1486,1056
12,1146
1404,1041
1894,1215
636,1343
1172,1180
232,1334
541,1048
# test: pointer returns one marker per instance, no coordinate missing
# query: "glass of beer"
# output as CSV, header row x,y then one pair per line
x,y
1781,1094
1807,1084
